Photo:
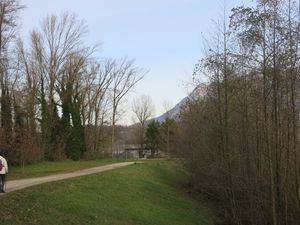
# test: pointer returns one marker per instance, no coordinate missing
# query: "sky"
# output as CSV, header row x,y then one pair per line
x,y
164,37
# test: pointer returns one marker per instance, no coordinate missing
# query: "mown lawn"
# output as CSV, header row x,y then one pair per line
x,y
149,193
48,168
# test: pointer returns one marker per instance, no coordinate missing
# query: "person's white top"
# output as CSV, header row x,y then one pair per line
x,y
5,167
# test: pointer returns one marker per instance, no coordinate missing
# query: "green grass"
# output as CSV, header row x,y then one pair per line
x,y
150,193
48,168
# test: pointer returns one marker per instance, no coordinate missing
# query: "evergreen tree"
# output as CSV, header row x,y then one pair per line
x,y
153,137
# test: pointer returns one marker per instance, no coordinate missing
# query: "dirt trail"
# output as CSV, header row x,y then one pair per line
x,y
24,183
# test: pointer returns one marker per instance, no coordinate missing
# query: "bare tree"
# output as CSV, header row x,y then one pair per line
x,y
96,87
143,109
60,59
9,10
27,149
125,77
167,107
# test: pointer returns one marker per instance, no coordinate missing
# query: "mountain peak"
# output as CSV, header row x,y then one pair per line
x,y
198,92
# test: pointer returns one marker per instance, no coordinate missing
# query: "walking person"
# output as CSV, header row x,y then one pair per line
x,y
3,172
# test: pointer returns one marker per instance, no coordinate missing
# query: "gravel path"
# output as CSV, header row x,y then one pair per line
x,y
24,183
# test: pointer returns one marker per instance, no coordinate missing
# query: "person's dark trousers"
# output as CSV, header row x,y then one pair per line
x,y
2,180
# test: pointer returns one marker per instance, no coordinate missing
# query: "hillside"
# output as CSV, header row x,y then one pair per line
x,y
173,113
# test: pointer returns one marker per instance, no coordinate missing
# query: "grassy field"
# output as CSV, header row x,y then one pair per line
x,y
48,168
149,193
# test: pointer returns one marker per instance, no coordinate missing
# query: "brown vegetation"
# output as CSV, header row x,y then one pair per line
x,y
241,140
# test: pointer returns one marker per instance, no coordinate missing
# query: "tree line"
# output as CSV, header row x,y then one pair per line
x,y
58,100
240,140
149,133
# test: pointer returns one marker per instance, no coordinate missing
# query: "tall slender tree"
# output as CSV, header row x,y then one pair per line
x,y
125,76
9,11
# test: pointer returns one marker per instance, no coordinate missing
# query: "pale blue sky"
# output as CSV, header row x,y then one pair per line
x,y
163,36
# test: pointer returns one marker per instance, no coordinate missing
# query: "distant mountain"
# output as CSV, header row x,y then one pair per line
x,y
172,113
199,91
